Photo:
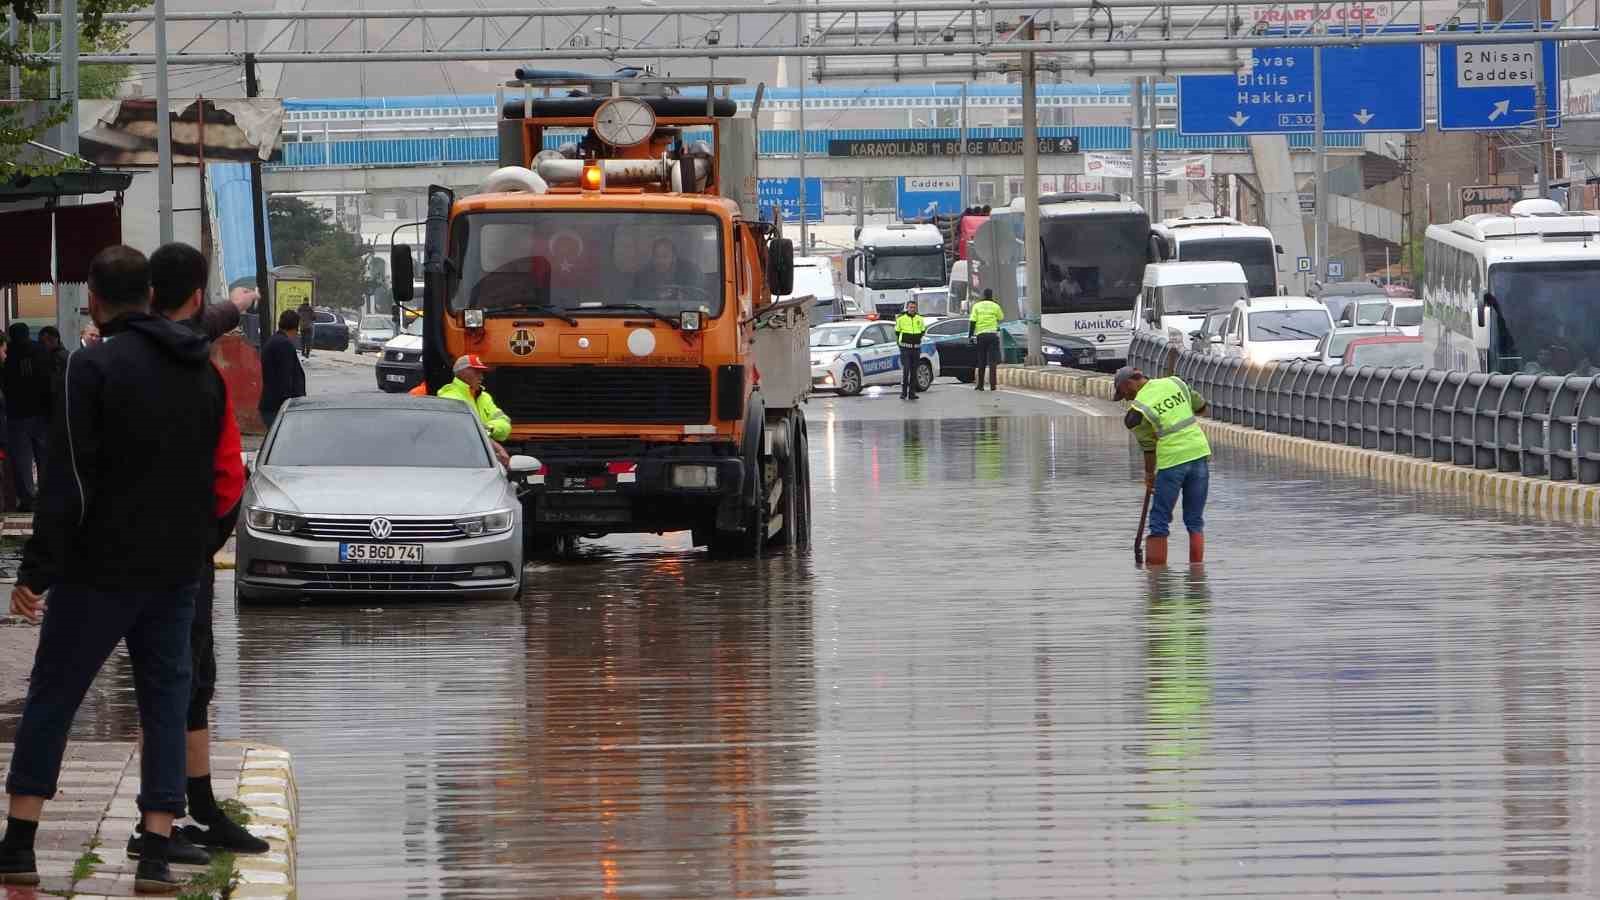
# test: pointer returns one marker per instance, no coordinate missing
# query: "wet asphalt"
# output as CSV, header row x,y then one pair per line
x,y
965,689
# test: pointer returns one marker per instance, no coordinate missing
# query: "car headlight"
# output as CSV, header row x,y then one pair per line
x,y
1052,350
262,519
489,523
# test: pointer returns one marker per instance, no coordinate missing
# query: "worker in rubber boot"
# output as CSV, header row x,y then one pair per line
x,y
1162,415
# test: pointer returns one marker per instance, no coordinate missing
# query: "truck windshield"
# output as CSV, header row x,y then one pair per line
x,y
1548,320
923,267
1193,299
587,261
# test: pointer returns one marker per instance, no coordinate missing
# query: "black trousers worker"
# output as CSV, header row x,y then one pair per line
x,y
910,357
988,358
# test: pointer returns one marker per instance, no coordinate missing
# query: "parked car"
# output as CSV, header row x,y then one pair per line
x,y
959,358
1208,338
1390,350
380,495
1330,350
1405,315
848,356
400,368
329,332
1270,329
375,331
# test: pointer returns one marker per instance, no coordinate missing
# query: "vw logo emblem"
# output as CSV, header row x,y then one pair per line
x,y
381,528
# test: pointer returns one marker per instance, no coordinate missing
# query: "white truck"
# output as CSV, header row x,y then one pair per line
x,y
889,262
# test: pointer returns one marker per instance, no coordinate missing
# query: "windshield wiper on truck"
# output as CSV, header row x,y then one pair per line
x,y
639,307
552,311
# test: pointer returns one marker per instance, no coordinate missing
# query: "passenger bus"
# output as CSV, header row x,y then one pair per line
x,y
1221,239
1093,253
1513,293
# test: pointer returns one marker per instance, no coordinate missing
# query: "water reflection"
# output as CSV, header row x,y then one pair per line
x,y
1177,691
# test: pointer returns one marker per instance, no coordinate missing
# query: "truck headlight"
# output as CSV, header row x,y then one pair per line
x,y
472,318
689,320
489,523
685,476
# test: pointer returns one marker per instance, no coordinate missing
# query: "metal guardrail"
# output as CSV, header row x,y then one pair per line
x,y
1540,426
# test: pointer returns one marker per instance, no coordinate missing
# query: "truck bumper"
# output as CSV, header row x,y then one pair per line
x,y
674,491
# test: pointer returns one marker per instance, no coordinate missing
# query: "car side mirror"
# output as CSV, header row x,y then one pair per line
x,y
1278,248
249,459
523,466
1194,335
401,273
1216,339
865,342
1344,323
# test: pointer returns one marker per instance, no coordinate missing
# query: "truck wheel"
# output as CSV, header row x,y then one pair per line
x,y
748,541
802,483
850,381
924,375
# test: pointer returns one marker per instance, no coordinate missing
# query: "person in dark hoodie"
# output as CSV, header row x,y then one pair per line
x,y
123,524
26,380
178,275
282,377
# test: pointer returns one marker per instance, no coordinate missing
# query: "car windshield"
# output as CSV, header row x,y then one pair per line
x,y
413,327
1288,325
838,336
1408,315
419,438
1258,256
377,323
587,261
1547,320
912,267
1392,354
1190,299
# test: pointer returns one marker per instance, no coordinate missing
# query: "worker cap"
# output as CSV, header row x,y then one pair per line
x,y
1123,376
469,361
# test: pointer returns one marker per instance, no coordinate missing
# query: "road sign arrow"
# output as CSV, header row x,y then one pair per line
x,y
1500,108
1238,119
1363,116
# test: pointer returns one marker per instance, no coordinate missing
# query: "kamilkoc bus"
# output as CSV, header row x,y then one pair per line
x,y
1221,239
1513,293
1093,254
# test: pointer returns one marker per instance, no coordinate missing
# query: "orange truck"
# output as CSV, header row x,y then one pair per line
x,y
617,276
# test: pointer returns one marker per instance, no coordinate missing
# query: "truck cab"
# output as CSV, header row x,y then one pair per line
x,y
890,261
623,292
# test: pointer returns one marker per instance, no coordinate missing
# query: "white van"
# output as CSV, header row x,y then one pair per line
x,y
814,275
1177,296
960,287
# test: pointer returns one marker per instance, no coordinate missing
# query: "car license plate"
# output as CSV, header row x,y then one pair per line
x,y
398,378
380,553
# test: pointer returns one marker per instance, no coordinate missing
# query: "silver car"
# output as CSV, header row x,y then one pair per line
x,y
375,331
380,495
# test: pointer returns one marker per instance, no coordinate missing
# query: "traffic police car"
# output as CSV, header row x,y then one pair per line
x,y
850,355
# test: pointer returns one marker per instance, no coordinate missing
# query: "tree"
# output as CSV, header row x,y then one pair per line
x,y
307,235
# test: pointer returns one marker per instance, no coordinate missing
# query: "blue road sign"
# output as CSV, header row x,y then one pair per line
x,y
1335,268
784,193
1374,87
1491,86
923,197
1302,264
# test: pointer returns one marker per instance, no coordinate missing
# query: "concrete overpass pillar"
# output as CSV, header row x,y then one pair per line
x,y
1281,198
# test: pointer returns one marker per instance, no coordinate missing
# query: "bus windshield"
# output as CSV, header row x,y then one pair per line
x,y
1093,263
1256,255
586,262
920,267
1547,319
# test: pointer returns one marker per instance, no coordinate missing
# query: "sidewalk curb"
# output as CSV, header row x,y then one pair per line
x,y
267,789
1560,500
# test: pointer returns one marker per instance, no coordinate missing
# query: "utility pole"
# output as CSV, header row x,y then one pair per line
x,y
68,295
1319,255
805,244
1153,150
264,317
963,146
1136,137
1541,111
163,126
13,72
1030,193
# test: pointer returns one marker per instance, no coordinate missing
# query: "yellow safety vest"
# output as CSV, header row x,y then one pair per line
x,y
1168,413
912,325
986,316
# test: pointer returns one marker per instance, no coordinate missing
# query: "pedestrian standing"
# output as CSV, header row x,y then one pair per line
x,y
983,326
54,357
908,330
282,377
1162,415
178,275
26,380
123,525
88,335
308,327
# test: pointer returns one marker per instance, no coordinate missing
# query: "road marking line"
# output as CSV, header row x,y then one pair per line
x,y
1062,401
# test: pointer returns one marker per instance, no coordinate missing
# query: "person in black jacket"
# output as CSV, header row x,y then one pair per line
x,y
308,327
282,378
123,526
26,381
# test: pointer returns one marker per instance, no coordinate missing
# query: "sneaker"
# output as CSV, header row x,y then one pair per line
x,y
179,850
18,867
225,834
154,876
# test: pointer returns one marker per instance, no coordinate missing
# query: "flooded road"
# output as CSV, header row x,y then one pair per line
x,y
965,690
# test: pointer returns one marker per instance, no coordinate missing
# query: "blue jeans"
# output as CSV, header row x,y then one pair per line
x,y
26,439
1193,479
81,628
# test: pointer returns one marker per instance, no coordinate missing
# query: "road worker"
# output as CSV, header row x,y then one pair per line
x,y
1162,415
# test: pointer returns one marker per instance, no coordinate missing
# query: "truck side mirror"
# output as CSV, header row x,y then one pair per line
x,y
780,266
850,270
401,273
1278,248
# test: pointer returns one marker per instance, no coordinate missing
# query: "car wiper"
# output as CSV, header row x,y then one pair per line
x,y
553,311
639,307
1270,330
1298,331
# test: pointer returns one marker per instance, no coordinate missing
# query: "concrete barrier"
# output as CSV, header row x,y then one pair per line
x,y
1561,500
